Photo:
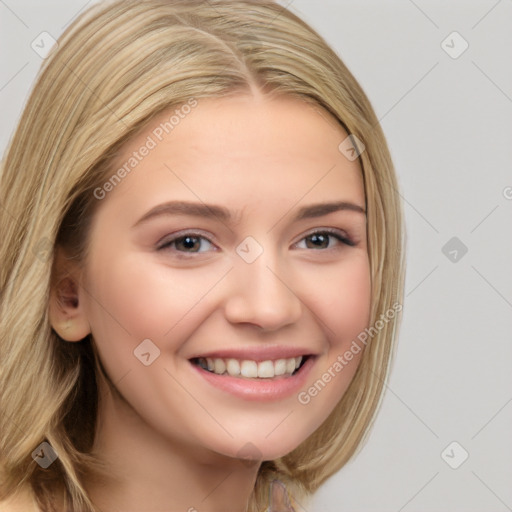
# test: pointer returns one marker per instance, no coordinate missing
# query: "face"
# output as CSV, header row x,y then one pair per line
x,y
228,271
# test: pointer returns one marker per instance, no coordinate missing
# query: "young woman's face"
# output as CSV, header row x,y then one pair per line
x,y
236,240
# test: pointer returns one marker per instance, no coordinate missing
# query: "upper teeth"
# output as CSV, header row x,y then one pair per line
x,y
251,369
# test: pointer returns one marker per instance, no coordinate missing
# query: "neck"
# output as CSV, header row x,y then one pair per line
x,y
153,473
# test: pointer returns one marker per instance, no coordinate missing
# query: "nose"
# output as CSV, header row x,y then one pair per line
x,y
259,294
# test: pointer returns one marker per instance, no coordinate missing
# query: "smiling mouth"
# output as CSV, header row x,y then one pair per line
x,y
249,369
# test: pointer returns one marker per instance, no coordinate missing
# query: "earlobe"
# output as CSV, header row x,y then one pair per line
x,y
66,310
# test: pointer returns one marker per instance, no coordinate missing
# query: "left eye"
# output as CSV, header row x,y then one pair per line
x,y
323,240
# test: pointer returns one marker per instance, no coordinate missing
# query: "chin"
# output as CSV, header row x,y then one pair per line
x,y
257,450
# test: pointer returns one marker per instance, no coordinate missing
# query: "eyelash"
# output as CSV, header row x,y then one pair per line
x,y
326,231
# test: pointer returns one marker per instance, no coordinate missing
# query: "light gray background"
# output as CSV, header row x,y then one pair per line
x,y
449,126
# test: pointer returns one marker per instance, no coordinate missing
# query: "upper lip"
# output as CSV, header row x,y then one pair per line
x,y
256,354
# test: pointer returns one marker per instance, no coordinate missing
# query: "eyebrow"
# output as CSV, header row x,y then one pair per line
x,y
225,215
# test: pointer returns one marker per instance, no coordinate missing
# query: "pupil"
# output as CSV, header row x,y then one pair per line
x,y
189,242
319,240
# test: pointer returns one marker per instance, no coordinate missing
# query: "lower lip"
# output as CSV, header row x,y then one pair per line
x,y
261,389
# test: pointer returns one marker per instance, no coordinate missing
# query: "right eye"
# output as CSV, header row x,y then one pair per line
x,y
189,243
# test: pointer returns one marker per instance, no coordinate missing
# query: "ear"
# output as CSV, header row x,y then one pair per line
x,y
66,308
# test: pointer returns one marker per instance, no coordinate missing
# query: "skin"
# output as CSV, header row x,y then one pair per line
x,y
173,439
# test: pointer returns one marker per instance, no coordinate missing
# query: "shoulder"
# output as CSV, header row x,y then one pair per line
x,y
20,502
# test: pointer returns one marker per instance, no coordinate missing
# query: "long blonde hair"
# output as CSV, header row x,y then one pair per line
x,y
115,68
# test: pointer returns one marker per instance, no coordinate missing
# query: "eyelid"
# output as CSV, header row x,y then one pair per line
x,y
172,237
336,232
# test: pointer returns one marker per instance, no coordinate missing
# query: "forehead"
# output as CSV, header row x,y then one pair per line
x,y
238,151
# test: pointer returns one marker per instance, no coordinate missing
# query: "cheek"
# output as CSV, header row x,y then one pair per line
x,y
342,306
351,302
341,299
150,298
349,317
132,299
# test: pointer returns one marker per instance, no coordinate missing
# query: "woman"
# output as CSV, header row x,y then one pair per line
x,y
202,264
